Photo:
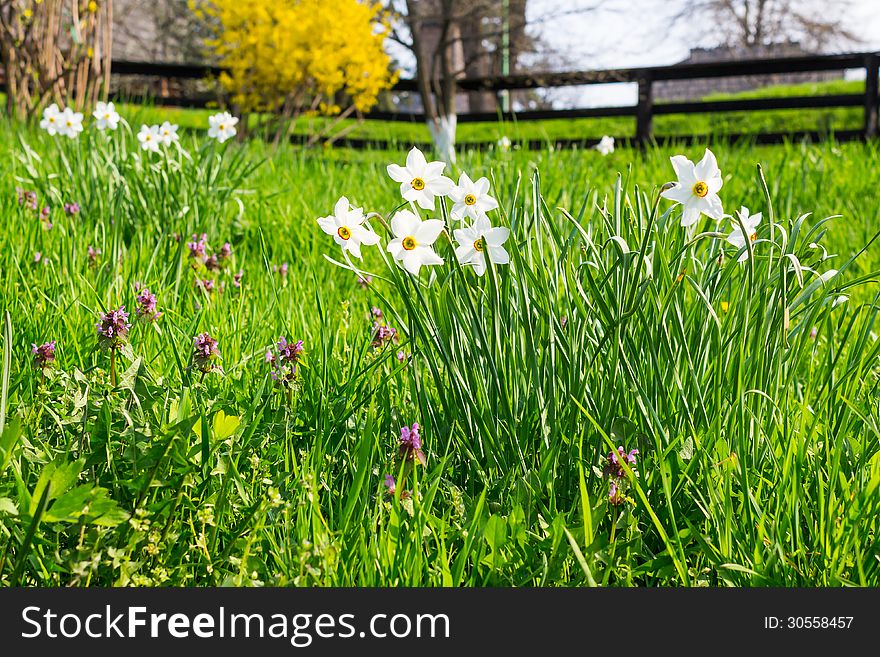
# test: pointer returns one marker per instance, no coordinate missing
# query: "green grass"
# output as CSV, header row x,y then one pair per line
x,y
402,133
758,442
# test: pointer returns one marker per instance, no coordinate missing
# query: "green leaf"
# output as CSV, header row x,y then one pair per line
x,y
495,532
225,425
8,507
8,440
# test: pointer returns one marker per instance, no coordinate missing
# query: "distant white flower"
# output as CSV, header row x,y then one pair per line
x,y
420,180
51,122
504,143
605,145
222,126
149,138
345,227
839,300
471,198
71,123
739,238
413,239
478,242
697,188
168,133
106,117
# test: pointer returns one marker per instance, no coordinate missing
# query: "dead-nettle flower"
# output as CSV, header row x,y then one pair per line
x,y
197,247
225,251
402,357
411,444
365,280
146,310
563,321
27,198
284,358
45,215
44,355
207,284
205,353
280,270
616,465
113,328
38,257
391,485
71,208
383,335
236,278
212,263
814,332
93,254
376,313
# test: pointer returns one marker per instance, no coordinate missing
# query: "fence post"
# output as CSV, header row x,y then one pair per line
x,y
644,111
872,71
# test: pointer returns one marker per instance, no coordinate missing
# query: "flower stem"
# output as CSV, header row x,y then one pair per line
x,y
113,367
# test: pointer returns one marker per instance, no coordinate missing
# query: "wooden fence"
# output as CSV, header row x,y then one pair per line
x,y
644,111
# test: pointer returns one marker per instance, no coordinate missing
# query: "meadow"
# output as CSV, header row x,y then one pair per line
x,y
749,389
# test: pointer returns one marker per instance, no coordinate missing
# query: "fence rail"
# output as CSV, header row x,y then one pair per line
x,y
643,111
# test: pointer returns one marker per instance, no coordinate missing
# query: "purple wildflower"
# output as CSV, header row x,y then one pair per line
x,y
44,355
616,496
390,484
45,214
236,278
401,356
365,280
71,208
205,352
212,263
411,444
281,270
284,359
206,284
376,313
382,335
225,251
617,472
146,309
113,328
563,321
37,257
93,254
197,247
814,332
27,198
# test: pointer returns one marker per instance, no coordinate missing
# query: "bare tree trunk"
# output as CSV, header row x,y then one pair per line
x,y
436,87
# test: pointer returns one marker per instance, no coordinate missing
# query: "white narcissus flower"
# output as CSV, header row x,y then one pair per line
x,y
480,241
51,121
71,123
149,138
697,188
221,126
504,143
106,117
605,145
345,227
420,180
413,240
737,237
168,133
471,199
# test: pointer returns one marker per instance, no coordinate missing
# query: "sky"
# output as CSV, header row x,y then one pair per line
x,y
632,33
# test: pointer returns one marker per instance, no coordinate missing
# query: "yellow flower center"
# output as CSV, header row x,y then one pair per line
x,y
700,189
753,237
107,116
409,243
418,184
470,199
478,245
344,232
222,126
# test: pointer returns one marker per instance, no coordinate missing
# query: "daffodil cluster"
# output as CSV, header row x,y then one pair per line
x,y
68,123
413,237
696,190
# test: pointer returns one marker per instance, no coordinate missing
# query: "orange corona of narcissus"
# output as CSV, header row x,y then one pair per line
x,y
293,55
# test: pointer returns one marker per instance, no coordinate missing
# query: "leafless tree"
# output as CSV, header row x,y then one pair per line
x,y
450,39
815,24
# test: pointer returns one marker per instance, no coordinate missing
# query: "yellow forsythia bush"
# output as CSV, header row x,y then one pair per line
x,y
291,56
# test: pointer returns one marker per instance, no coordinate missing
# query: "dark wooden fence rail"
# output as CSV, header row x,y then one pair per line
x,y
644,111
